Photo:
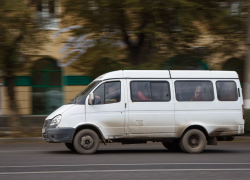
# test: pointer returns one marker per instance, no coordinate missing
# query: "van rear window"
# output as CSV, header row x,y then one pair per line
x,y
150,91
226,91
194,91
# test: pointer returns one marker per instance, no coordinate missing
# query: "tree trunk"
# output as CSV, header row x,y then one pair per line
x,y
135,56
14,122
136,51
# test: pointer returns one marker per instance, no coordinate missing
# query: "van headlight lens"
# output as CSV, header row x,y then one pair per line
x,y
56,120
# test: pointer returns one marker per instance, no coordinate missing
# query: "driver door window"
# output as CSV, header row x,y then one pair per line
x,y
107,93
99,95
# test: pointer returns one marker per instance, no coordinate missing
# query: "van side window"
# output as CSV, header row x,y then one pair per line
x,y
150,91
194,91
226,91
109,92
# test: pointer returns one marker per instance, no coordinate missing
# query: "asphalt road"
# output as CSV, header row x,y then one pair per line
x,y
228,160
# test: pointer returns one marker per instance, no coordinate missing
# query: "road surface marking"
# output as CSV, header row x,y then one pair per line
x,y
147,164
110,171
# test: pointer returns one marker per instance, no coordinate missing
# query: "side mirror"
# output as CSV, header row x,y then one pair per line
x,y
91,98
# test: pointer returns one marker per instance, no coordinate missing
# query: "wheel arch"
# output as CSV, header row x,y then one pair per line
x,y
199,127
92,127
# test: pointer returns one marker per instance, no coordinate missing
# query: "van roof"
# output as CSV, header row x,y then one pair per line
x,y
178,74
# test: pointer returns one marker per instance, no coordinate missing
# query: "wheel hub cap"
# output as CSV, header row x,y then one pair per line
x,y
87,142
194,141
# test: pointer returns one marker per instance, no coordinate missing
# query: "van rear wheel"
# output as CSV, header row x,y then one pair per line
x,y
172,146
193,141
70,146
86,141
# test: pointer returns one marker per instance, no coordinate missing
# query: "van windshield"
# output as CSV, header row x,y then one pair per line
x,y
81,97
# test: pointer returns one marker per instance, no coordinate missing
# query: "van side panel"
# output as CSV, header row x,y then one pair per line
x,y
150,118
219,118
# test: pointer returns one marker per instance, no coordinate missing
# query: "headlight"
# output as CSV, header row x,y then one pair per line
x,y
56,120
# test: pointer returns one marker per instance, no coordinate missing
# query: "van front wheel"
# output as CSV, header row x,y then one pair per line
x,y
193,141
86,142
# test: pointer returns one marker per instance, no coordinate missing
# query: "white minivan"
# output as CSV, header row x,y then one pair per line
x,y
185,110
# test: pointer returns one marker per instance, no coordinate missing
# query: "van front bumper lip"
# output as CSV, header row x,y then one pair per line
x,y
58,135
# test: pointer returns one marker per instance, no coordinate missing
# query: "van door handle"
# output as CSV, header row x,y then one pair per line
x,y
125,105
239,91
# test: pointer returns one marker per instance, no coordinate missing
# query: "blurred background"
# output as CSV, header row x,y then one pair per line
x,y
50,50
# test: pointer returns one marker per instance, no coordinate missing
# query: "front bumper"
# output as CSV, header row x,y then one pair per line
x,y
57,135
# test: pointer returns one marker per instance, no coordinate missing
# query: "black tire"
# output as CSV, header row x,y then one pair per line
x,y
194,141
172,146
181,147
86,142
70,146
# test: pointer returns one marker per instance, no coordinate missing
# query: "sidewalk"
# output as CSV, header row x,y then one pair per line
x,y
40,139
26,139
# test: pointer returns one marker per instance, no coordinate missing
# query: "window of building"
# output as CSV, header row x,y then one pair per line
x,y
226,91
107,93
46,87
194,91
47,13
150,91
